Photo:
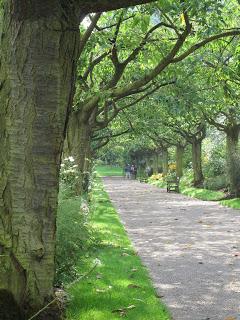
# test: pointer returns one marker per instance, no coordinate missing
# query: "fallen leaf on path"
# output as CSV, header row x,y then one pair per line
x,y
188,246
230,318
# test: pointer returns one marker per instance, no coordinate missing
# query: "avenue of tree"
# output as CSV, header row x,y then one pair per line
x,y
70,69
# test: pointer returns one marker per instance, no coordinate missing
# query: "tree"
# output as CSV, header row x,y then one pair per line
x,y
222,109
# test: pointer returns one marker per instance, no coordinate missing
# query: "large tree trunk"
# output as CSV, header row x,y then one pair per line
x,y
233,161
165,161
87,168
179,160
155,163
197,163
38,62
78,142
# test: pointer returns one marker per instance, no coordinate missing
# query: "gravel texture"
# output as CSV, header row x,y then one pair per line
x,y
191,248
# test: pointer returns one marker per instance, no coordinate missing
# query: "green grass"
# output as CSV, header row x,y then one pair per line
x,y
233,203
202,194
104,171
119,280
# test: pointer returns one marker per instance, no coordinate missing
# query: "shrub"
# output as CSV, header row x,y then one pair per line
x,y
68,172
172,166
215,183
214,159
156,177
75,237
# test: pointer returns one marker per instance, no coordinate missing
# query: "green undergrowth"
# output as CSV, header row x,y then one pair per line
x,y
104,171
116,285
76,238
232,203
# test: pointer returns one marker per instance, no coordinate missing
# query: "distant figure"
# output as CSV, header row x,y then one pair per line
x,y
149,171
127,171
133,171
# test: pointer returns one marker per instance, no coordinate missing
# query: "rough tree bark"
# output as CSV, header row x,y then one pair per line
x,y
233,160
179,160
39,50
78,146
155,163
198,177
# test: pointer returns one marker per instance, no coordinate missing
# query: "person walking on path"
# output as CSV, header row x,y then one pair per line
x,y
128,171
133,171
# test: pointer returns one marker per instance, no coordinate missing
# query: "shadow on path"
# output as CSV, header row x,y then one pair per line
x,y
191,248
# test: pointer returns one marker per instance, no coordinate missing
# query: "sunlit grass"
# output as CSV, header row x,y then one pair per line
x,y
233,203
202,194
119,280
104,171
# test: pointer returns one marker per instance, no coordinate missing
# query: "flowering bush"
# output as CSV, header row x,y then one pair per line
x,y
172,166
68,172
156,177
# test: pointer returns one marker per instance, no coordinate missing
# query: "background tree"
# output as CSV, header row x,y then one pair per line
x,y
222,109
107,82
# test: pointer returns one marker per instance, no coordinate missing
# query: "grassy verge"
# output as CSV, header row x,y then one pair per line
x,y
119,285
104,171
202,194
233,203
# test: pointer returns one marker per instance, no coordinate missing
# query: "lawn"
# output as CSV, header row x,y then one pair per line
x,y
104,171
202,194
119,285
233,203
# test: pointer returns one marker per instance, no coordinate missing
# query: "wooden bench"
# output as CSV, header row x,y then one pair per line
x,y
173,185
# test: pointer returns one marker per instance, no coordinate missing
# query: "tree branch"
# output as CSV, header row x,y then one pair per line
x,y
203,43
88,32
124,91
93,64
107,5
146,94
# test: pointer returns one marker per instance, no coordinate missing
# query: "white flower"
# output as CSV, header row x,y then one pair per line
x,y
97,262
71,159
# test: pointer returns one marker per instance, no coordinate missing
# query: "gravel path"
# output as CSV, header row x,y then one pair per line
x,y
191,248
